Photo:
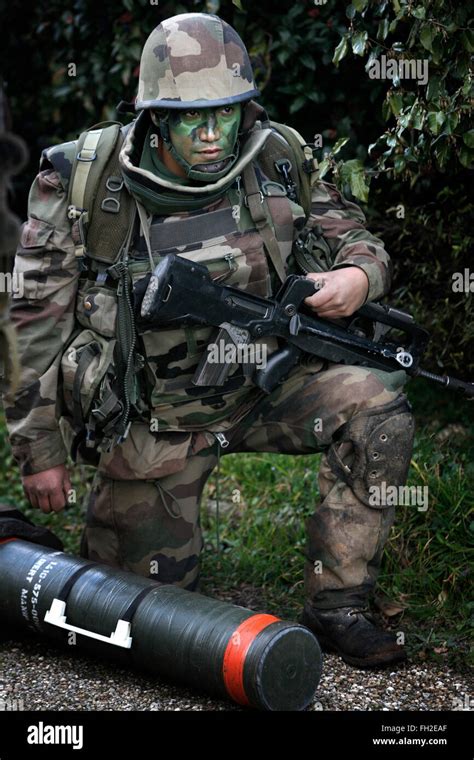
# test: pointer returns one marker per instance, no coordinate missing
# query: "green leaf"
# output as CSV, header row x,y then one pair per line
x,y
395,102
298,103
373,56
238,4
134,50
467,38
419,12
441,151
341,50
438,48
359,5
359,42
353,173
432,89
467,86
468,138
435,121
323,168
283,56
426,37
350,11
466,157
399,164
339,144
452,120
382,29
308,61
416,116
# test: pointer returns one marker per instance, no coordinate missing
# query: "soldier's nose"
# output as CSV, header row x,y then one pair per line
x,y
209,133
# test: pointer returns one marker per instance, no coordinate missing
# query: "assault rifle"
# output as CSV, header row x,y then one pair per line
x,y
181,291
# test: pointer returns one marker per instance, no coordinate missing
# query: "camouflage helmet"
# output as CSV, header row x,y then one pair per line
x,y
194,60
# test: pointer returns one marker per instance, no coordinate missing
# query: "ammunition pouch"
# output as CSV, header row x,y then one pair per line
x,y
382,440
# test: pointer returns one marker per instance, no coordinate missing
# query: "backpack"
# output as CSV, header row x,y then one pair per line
x,y
97,197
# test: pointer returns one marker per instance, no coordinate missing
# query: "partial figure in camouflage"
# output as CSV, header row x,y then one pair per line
x,y
197,174
13,156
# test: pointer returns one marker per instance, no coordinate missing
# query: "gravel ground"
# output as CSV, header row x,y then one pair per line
x,y
43,677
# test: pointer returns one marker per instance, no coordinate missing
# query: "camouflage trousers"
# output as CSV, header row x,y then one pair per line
x,y
143,512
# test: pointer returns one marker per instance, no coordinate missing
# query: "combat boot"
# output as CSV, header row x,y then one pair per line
x,y
351,633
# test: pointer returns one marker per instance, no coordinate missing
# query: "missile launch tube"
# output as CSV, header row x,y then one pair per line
x,y
258,660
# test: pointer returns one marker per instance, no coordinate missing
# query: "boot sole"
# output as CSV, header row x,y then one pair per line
x,y
382,661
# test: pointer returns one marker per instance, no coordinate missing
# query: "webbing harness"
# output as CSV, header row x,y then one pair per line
x,y
105,242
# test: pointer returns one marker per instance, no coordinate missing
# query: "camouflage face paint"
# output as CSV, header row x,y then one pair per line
x,y
205,135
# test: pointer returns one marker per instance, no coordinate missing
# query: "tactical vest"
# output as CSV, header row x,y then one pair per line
x,y
111,372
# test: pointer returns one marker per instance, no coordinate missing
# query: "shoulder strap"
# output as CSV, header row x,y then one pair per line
x,y
255,202
96,191
287,145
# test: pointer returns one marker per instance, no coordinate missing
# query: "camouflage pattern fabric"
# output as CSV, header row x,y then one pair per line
x,y
143,514
143,511
51,310
194,53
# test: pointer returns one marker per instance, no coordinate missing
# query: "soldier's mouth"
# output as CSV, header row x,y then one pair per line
x,y
211,152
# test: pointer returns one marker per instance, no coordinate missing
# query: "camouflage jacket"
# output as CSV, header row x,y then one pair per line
x,y
51,310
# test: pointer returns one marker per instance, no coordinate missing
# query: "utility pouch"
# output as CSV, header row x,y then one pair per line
x,y
88,372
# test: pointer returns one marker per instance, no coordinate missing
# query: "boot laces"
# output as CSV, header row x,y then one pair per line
x,y
365,611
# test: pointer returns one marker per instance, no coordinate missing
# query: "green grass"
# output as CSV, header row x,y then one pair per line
x,y
265,498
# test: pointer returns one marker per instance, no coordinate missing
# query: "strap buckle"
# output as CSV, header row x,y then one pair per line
x,y
249,195
284,167
86,160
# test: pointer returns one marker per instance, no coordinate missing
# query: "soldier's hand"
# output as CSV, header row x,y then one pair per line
x,y
344,291
48,490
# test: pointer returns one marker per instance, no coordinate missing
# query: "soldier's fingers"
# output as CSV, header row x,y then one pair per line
x,y
57,500
32,498
320,299
43,501
67,485
331,314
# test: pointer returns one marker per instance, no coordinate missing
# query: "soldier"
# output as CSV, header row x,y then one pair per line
x,y
200,173
13,156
